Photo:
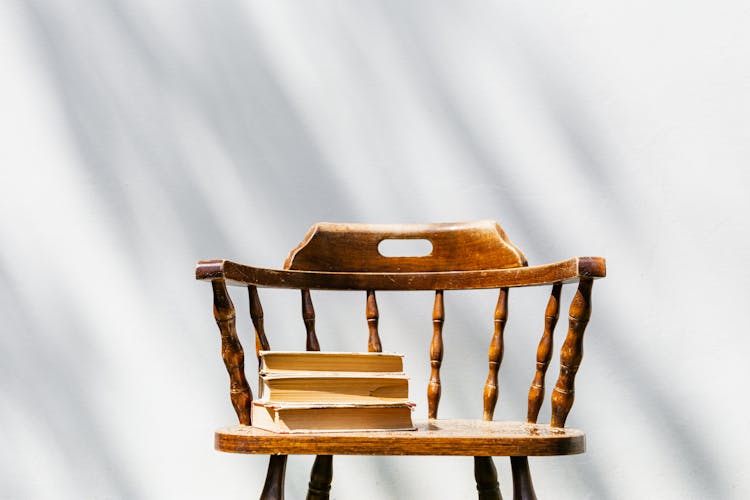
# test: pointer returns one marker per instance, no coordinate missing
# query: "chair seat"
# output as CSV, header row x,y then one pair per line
x,y
432,437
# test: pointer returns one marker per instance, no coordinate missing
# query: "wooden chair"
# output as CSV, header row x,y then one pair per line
x,y
464,256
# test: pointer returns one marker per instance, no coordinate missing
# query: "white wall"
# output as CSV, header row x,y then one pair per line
x,y
138,137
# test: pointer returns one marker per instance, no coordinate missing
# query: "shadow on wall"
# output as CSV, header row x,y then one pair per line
x,y
164,119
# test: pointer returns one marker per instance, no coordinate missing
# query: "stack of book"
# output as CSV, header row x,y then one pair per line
x,y
332,391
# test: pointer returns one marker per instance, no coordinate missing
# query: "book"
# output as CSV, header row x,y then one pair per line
x,y
315,417
311,361
292,386
332,392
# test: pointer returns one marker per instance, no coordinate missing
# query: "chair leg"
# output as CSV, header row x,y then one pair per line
x,y
523,488
274,487
320,478
486,476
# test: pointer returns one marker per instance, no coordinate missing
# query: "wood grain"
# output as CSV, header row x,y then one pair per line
x,y
464,256
495,354
455,246
371,312
568,271
436,355
544,354
231,352
571,353
432,437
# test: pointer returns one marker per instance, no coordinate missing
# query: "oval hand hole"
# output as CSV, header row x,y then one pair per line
x,y
405,248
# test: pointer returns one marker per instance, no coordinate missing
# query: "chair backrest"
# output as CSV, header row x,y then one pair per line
x,y
463,256
355,248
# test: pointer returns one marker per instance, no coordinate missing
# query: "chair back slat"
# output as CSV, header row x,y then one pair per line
x,y
571,353
495,354
544,354
308,317
436,355
231,352
371,311
256,315
455,247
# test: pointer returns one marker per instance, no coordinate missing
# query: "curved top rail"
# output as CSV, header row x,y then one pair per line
x,y
567,271
456,246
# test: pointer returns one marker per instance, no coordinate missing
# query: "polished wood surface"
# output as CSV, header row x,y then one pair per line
x,y
321,473
432,437
460,246
231,352
308,317
256,316
523,488
495,354
372,314
544,354
485,475
571,353
436,355
273,488
464,256
567,271
485,472
321,476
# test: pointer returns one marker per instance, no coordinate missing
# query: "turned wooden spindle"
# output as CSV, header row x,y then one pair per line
x,y
571,353
256,315
373,343
321,476
231,352
436,355
523,488
485,475
495,354
544,354
308,316
273,488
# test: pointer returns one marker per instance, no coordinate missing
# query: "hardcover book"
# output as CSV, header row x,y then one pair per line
x,y
332,391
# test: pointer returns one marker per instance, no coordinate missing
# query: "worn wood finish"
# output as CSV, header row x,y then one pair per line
x,y
485,475
464,256
308,317
436,355
571,353
567,271
495,354
371,311
319,487
256,315
458,246
273,489
432,437
544,354
231,352
523,488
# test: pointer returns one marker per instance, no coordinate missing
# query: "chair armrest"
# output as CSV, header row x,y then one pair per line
x,y
567,271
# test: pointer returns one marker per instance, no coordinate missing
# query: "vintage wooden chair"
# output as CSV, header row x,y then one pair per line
x,y
464,256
